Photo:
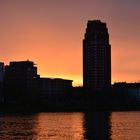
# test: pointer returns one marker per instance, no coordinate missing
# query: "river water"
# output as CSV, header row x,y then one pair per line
x,y
70,126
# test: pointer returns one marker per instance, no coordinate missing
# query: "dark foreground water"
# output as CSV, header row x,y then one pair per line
x,y
71,126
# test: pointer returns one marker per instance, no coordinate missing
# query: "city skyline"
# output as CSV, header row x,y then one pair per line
x,y
50,33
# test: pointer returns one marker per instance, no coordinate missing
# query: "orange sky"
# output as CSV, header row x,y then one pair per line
x,y
50,33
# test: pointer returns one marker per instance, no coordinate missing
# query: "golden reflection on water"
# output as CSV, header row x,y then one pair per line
x,y
125,125
59,126
70,126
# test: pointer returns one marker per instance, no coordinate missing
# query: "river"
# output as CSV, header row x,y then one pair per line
x,y
70,126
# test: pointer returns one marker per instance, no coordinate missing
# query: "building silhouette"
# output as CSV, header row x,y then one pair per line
x,y
20,82
1,72
96,56
1,80
55,91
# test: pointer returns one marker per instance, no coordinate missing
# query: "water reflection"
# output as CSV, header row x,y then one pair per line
x,y
125,125
71,126
42,126
55,126
97,125
17,126
60,126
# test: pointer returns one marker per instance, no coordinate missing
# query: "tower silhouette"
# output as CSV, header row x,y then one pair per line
x,y
96,56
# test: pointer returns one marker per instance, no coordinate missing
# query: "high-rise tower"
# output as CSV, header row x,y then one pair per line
x,y
96,56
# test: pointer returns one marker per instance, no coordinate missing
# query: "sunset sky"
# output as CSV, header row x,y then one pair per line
x,y
50,33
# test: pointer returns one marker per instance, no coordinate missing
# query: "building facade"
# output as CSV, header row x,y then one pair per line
x,y
1,80
20,81
1,72
54,90
96,56
129,90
